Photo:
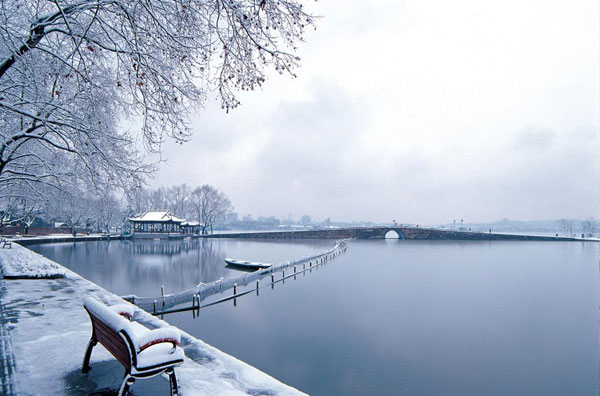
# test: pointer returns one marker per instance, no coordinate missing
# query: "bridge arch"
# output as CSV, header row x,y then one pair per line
x,y
393,234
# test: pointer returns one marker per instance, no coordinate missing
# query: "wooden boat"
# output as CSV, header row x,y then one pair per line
x,y
246,264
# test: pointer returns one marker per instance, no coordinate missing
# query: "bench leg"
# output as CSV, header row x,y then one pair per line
x,y
127,382
88,354
173,381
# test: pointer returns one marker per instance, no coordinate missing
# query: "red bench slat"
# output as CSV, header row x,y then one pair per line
x,y
111,341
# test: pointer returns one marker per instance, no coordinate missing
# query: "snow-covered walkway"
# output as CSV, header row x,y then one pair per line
x,y
44,331
18,262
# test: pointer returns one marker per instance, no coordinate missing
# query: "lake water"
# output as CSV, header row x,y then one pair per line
x,y
387,317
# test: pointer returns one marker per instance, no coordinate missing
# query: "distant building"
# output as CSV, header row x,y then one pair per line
x,y
190,227
265,223
305,220
158,225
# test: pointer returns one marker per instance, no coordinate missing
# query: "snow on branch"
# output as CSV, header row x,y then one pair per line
x,y
72,70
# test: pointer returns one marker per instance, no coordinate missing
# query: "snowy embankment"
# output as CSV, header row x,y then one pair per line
x,y
20,263
49,331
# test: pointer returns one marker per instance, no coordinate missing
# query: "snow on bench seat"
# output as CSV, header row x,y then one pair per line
x,y
144,353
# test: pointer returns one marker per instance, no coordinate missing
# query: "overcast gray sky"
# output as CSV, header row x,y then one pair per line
x,y
419,111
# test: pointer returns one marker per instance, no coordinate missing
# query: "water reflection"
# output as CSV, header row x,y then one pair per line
x,y
387,317
141,266
424,318
241,286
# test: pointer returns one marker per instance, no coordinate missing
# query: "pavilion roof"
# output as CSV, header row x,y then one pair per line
x,y
158,216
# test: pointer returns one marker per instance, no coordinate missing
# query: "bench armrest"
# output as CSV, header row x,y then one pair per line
x,y
125,310
156,336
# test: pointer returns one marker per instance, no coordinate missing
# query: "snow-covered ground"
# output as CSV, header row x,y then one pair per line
x,y
48,331
19,262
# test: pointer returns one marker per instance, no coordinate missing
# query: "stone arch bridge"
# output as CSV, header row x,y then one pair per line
x,y
379,232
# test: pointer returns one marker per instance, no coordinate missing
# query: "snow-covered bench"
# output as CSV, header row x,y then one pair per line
x,y
144,353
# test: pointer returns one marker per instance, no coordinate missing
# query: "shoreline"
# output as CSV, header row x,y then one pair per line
x,y
44,332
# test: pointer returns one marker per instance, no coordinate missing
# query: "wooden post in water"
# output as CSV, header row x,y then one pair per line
x,y
162,293
235,293
193,306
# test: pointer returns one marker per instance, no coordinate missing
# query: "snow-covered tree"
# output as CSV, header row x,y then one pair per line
x,y
179,197
106,210
139,200
209,205
158,199
72,70
590,226
18,206
69,207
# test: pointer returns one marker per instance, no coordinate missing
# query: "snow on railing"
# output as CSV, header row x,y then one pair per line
x,y
204,290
